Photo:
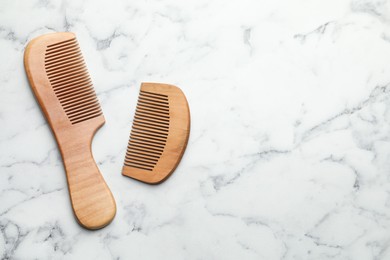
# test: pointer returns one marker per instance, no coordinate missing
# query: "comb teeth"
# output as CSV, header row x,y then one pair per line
x,y
68,75
150,131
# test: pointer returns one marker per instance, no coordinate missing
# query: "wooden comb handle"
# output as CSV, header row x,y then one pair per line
x,y
92,200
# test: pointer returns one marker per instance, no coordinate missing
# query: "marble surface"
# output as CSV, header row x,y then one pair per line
x,y
289,153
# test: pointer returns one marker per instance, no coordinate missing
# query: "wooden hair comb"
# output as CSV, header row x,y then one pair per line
x,y
62,86
159,135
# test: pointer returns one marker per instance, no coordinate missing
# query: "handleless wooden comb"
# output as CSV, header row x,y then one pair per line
x,y
61,83
159,135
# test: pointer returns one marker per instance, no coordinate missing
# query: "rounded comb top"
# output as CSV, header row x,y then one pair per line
x,y
55,63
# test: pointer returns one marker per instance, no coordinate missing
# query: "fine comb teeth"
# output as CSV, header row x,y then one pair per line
x,y
69,77
150,131
61,83
159,134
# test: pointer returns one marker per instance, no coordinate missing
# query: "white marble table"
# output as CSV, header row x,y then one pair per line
x,y
289,153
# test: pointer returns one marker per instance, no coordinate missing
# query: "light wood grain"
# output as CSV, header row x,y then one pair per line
x,y
159,134
60,81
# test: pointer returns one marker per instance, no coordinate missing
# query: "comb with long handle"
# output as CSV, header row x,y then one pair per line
x,y
61,83
159,135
